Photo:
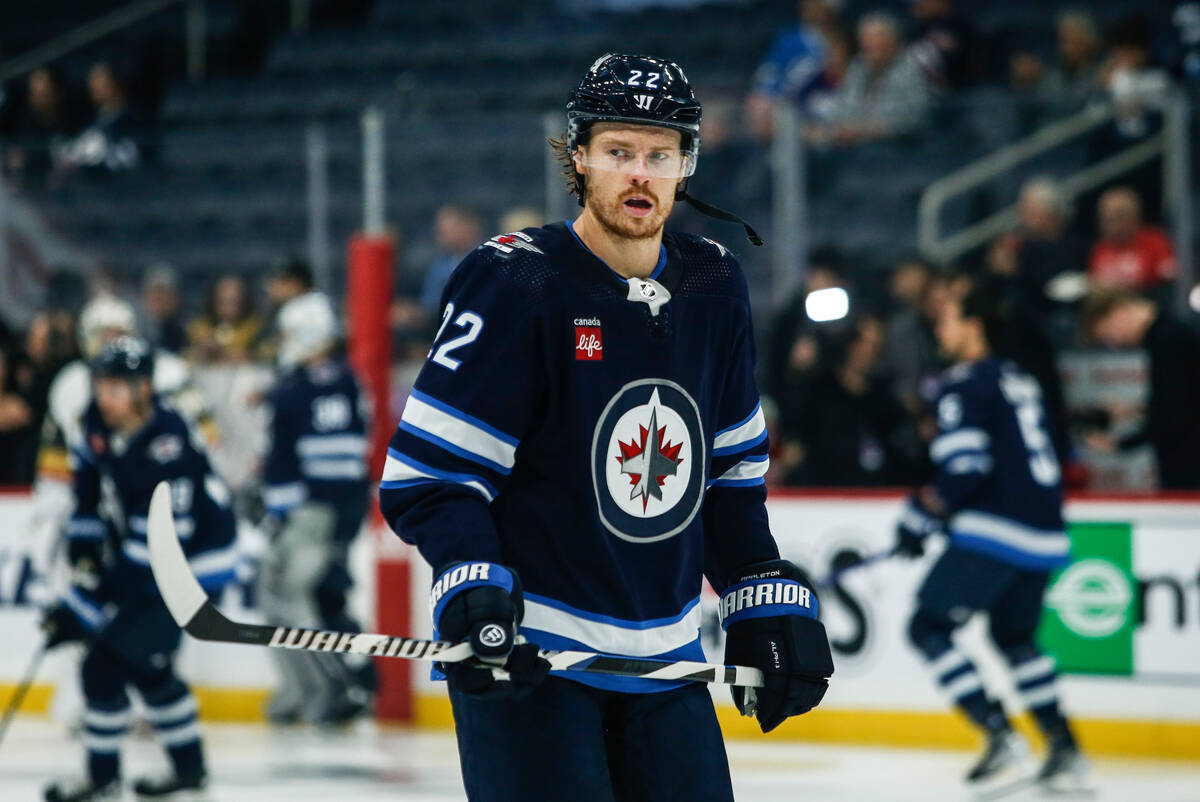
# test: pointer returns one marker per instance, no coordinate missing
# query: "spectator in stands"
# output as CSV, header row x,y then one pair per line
x,y
458,230
822,105
228,327
795,64
943,44
910,349
884,94
49,121
1041,262
1119,319
162,309
1136,86
1129,254
1183,45
845,428
115,141
26,372
18,427
1075,78
794,341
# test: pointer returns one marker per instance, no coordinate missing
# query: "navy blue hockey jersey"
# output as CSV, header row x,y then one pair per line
x,y
602,436
997,470
114,477
318,439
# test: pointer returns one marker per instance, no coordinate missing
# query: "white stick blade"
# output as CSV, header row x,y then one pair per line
x,y
174,578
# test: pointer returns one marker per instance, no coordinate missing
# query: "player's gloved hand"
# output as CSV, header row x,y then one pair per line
x,y
917,523
61,626
769,612
482,603
85,556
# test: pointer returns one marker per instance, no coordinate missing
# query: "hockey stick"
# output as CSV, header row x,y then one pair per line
x,y
191,608
836,576
14,704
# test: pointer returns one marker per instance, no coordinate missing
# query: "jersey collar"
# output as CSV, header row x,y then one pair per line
x,y
658,268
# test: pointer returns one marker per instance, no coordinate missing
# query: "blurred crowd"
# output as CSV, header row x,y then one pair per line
x,y
235,325
852,396
878,76
51,128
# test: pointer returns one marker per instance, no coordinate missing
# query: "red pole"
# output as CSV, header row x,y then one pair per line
x,y
368,298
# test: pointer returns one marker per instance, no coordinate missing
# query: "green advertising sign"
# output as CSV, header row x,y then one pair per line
x,y
1091,605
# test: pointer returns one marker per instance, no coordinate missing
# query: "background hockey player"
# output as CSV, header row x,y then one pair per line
x,y
582,447
998,495
102,320
315,493
128,443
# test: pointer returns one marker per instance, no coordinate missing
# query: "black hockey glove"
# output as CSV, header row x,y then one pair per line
x,y
482,603
61,626
917,523
769,612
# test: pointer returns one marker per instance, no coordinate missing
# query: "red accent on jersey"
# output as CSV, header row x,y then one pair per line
x,y
588,347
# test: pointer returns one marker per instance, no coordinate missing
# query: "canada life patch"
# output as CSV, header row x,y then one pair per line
x,y
648,460
589,345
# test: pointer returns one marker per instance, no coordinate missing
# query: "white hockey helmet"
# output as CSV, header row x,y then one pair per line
x,y
307,326
105,318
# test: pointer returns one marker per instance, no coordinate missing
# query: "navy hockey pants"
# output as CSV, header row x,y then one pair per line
x,y
963,582
571,741
136,648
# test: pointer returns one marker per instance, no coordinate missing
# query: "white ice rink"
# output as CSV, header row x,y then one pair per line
x,y
250,763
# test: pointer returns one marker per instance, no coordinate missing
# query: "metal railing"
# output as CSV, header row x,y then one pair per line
x,y
1171,143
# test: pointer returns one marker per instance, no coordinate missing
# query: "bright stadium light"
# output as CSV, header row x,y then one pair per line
x,y
1194,298
825,305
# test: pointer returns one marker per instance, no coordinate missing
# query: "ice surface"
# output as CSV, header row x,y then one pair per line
x,y
252,762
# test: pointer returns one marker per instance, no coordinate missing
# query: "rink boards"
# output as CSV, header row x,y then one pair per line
x,y
1124,621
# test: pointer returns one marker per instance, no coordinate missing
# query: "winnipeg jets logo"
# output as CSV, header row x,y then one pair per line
x,y
648,461
651,460
507,243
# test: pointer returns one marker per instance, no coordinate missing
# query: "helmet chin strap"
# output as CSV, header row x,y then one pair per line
x,y
706,209
718,214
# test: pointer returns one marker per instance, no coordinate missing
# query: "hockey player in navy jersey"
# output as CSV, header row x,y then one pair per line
x,y
315,493
997,494
586,435
128,443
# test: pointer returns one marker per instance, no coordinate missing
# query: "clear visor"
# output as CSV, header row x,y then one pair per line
x,y
654,163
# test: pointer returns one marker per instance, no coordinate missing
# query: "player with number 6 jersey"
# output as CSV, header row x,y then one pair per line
x,y
997,495
585,445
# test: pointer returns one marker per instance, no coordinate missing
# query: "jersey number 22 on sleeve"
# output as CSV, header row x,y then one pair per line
x,y
470,321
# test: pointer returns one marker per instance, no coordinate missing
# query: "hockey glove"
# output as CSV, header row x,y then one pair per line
x,y
481,603
769,612
86,556
60,626
917,523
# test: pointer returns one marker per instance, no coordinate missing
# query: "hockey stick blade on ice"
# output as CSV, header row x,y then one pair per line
x,y
191,608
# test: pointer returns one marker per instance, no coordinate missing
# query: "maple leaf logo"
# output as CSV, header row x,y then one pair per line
x,y
649,460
